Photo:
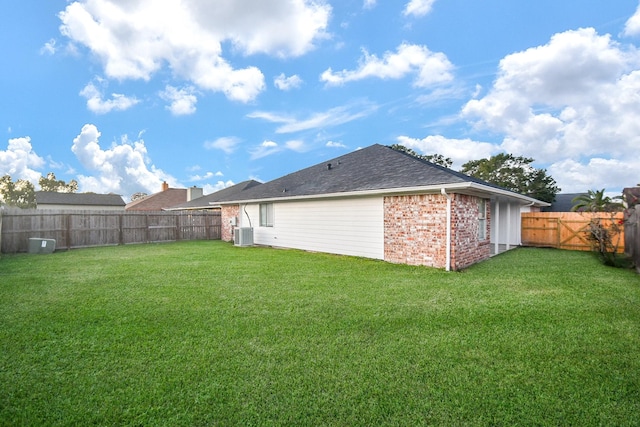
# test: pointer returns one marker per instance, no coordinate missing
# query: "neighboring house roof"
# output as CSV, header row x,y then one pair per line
x,y
158,201
376,169
78,199
210,201
563,202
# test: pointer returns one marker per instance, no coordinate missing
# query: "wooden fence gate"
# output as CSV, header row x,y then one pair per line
x,y
567,230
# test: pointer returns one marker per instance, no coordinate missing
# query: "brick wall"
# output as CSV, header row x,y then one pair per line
x,y
416,230
466,249
228,212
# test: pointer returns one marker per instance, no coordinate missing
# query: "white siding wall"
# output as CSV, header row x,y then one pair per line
x,y
505,222
345,226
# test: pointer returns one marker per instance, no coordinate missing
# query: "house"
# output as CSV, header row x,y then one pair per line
x,y
166,198
563,202
78,201
383,204
210,201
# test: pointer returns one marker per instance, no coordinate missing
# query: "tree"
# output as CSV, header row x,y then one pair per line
x,y
596,201
50,183
515,174
21,193
437,159
138,196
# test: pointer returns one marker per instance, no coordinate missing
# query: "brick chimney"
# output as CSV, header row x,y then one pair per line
x,y
165,186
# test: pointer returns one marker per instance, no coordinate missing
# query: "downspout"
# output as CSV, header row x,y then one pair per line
x,y
248,217
448,248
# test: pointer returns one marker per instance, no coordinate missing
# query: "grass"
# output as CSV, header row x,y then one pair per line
x,y
204,333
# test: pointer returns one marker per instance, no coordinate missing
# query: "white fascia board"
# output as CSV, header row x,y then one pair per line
x,y
524,200
464,187
341,195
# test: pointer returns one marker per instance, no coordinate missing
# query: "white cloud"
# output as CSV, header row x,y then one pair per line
x,y
459,150
265,149
287,83
268,148
332,117
98,105
123,168
220,185
632,26
369,4
20,161
418,7
49,47
296,145
440,94
335,144
204,177
595,174
183,101
227,144
572,98
56,165
430,68
134,40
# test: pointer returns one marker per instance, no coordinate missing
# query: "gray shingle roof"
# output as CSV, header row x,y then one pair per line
x,y
563,202
209,201
158,201
79,199
376,167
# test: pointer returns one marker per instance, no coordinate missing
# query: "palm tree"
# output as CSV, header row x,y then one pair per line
x,y
596,201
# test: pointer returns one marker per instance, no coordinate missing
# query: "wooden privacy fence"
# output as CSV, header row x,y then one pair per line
x,y
632,235
78,229
567,230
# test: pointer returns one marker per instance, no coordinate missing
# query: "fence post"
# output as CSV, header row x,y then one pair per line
x,y
120,232
68,231
178,227
207,223
632,239
637,238
146,223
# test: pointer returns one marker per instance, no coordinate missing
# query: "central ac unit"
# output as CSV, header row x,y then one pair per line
x,y
243,236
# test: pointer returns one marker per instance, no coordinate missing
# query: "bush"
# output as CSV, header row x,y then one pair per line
x,y
605,241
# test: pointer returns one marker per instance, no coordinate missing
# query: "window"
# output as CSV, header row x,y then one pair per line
x,y
482,219
266,214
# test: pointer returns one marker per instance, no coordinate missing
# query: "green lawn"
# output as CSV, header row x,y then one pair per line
x,y
205,333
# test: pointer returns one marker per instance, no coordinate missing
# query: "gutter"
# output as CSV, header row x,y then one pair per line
x,y
443,191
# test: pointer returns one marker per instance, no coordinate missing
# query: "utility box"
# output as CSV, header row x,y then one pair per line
x,y
41,246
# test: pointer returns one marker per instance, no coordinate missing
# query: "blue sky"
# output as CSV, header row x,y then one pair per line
x,y
122,95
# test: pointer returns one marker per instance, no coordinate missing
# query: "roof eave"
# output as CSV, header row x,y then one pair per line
x,y
524,200
466,187
191,208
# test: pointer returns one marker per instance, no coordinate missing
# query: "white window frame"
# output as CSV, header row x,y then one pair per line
x,y
266,214
482,219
